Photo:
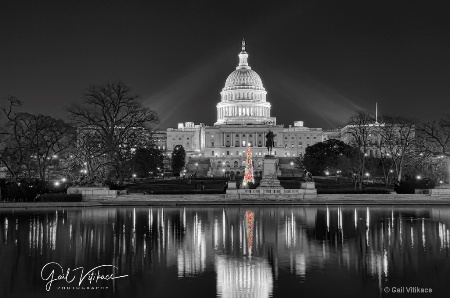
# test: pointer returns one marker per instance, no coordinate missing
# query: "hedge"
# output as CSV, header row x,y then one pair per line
x,y
59,197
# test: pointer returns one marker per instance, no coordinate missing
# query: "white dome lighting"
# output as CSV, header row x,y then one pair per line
x,y
243,99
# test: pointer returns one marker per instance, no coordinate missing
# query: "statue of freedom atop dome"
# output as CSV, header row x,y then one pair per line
x,y
270,142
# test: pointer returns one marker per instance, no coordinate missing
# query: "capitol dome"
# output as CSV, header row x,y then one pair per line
x,y
243,99
243,78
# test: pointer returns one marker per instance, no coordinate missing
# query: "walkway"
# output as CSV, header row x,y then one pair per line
x,y
198,199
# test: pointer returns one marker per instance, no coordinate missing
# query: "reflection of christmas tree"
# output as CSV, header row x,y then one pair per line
x,y
249,219
248,176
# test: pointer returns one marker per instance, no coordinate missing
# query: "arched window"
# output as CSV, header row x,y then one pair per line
x,y
236,164
219,164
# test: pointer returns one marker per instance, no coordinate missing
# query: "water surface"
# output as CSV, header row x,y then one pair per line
x,y
243,251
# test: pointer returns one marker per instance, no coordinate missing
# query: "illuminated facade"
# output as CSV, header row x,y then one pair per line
x,y
243,119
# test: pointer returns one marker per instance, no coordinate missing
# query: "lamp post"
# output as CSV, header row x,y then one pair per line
x,y
327,173
292,168
223,170
337,173
134,178
367,175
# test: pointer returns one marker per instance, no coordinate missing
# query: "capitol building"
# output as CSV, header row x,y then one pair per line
x,y
243,119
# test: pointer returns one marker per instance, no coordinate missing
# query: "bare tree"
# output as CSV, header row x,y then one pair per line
x,y
434,141
396,143
436,136
14,150
119,121
33,142
358,133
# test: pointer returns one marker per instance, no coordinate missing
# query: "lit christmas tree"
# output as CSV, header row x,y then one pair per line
x,y
248,176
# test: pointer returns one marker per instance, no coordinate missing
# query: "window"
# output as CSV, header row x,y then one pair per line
x,y
243,135
237,136
228,152
300,143
179,138
237,152
250,136
188,138
243,143
212,153
285,145
228,136
314,138
292,137
307,138
292,146
212,144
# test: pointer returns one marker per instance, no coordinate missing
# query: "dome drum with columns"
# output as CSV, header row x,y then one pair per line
x,y
243,99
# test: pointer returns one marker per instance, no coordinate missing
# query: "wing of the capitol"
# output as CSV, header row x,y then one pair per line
x,y
243,119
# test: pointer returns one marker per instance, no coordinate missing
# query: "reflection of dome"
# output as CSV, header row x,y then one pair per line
x,y
243,78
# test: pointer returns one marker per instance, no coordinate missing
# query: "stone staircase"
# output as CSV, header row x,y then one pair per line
x,y
198,165
284,164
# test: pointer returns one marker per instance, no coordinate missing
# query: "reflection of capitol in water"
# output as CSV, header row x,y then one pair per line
x,y
243,250
247,277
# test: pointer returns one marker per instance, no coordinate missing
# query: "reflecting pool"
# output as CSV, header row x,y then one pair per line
x,y
244,251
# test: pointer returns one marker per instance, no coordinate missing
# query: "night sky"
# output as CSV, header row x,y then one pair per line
x,y
320,61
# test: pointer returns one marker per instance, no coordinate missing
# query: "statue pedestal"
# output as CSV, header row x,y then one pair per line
x,y
308,185
308,189
231,185
269,175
